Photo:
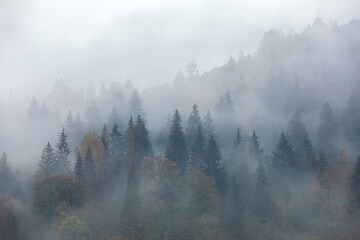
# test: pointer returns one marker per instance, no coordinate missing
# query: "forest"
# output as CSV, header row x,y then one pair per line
x,y
266,146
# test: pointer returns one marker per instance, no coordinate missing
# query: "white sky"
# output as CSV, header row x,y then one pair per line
x,y
92,41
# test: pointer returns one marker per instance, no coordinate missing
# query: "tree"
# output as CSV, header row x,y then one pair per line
x,y
116,150
135,106
322,164
94,118
262,202
62,165
212,166
114,118
74,229
305,157
90,169
296,131
194,121
34,110
9,227
328,130
7,179
93,140
351,118
176,148
254,145
142,141
79,171
105,139
283,156
355,184
46,164
237,144
52,191
197,149
209,128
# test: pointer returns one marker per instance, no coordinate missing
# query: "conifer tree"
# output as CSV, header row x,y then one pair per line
x,y
143,147
208,126
235,209
194,121
198,148
254,145
213,168
93,117
130,161
114,118
62,165
105,139
283,156
322,164
305,157
238,140
89,168
296,131
262,202
116,149
355,184
46,164
328,129
176,148
7,179
135,106
79,172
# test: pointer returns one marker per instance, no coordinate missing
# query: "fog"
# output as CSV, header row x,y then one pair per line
x,y
179,120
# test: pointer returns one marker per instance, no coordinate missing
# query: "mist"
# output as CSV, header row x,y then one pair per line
x,y
181,120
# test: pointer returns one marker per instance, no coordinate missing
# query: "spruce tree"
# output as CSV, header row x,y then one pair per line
x,y
79,171
94,118
105,139
322,164
254,145
355,184
262,202
116,149
193,122
176,148
296,131
62,165
238,140
46,164
89,169
7,179
283,156
235,209
305,157
114,118
143,147
208,126
328,130
213,167
135,106
198,148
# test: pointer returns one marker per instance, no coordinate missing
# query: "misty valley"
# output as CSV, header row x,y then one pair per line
x,y
265,146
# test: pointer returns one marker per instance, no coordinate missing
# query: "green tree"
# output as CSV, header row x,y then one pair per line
x,y
114,118
79,172
176,148
283,156
193,122
213,167
117,149
296,131
135,106
197,149
62,165
209,127
74,228
328,130
46,164
90,169
254,145
143,147
9,226
305,157
52,191
355,184
105,139
8,183
262,202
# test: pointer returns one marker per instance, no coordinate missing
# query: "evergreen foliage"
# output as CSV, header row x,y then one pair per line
x,y
254,145
62,164
46,164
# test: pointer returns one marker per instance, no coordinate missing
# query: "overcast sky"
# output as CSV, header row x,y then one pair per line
x,y
92,41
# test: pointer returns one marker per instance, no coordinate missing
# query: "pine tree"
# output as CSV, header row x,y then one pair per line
x,y
208,125
296,131
114,118
46,164
305,157
176,147
34,110
79,171
355,184
130,161
93,117
105,139
235,209
262,202
194,121
283,156
135,106
328,130
143,147
62,165
238,140
89,169
7,179
351,118
116,150
198,148
212,166
254,145
322,164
